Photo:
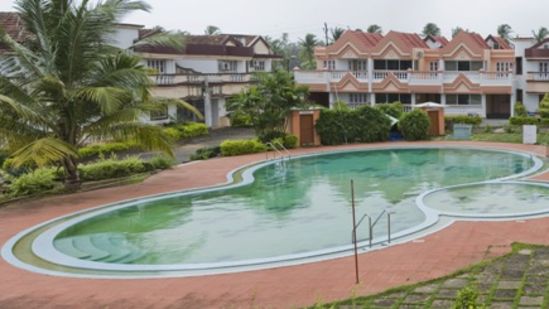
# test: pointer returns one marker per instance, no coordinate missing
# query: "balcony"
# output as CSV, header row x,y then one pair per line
x,y
538,82
192,79
538,76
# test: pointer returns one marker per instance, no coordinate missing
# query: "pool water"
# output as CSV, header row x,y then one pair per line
x,y
295,207
498,199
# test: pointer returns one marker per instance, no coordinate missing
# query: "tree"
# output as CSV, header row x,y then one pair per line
x,y
337,32
307,51
541,34
374,29
431,29
505,31
288,50
269,102
544,107
212,30
67,85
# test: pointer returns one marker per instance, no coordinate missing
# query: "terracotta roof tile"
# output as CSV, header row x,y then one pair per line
x,y
501,42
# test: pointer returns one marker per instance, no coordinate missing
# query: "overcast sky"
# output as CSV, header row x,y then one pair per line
x,y
298,17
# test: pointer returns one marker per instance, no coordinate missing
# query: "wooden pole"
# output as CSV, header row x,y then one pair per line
x,y
354,231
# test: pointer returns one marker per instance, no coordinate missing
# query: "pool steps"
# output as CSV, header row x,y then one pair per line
x,y
105,247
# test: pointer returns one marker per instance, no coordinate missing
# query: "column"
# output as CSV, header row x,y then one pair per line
x,y
207,105
483,104
413,100
443,98
372,99
513,98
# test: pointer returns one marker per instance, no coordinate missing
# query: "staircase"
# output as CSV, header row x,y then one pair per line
x,y
105,248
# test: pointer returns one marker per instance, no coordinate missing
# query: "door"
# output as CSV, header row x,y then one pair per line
x,y
544,70
434,127
498,106
306,134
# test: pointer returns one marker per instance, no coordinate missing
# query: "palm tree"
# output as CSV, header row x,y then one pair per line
x,y
457,30
505,31
431,29
374,29
337,32
67,85
212,30
306,54
541,34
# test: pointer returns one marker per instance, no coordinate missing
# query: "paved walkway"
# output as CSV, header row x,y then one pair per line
x,y
453,248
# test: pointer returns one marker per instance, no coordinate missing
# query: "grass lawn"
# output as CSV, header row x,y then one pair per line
x,y
543,138
517,280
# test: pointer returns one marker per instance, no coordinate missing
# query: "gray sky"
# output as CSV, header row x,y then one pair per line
x,y
298,17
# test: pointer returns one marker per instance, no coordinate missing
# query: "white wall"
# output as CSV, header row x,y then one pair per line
x,y
124,37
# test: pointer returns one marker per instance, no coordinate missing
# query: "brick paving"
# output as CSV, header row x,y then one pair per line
x,y
442,253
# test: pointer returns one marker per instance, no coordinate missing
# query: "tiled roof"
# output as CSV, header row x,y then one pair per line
x,y
501,42
537,52
13,25
406,42
364,41
443,41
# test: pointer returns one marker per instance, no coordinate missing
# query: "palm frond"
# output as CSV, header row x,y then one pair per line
x,y
23,111
43,152
175,40
109,99
162,102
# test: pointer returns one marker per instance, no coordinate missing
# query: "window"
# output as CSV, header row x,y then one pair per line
x,y
161,114
358,98
257,65
358,65
504,66
433,66
520,95
518,61
452,65
329,65
404,98
544,67
393,65
227,66
463,99
158,65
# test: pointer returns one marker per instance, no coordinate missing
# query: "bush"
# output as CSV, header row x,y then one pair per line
x,y
159,163
3,156
96,150
290,141
467,299
240,120
544,107
111,168
523,120
193,129
38,181
450,120
394,109
414,125
364,124
240,147
206,153
267,137
173,134
520,110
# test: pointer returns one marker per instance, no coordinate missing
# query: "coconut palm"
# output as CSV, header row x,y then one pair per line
x,y
374,29
541,34
337,32
306,54
66,85
212,30
431,29
505,31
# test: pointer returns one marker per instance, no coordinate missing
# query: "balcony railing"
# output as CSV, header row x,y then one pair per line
x,y
539,76
177,79
411,77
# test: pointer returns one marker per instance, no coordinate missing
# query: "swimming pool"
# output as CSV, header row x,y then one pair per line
x,y
282,211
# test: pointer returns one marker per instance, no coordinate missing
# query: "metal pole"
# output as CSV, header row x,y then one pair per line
x,y
388,227
354,230
371,230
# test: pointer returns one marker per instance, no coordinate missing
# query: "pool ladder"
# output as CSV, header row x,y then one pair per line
x,y
279,151
372,224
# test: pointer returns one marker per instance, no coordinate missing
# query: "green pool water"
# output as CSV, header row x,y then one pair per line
x,y
295,207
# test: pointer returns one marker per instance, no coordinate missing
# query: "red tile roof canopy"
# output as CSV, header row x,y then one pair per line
x,y
538,50
500,42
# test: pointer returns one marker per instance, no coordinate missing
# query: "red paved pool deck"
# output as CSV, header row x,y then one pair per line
x,y
439,254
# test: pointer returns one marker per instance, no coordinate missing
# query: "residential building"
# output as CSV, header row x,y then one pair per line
x,y
468,74
206,72
532,71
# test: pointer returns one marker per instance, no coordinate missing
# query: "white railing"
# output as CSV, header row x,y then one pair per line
x,y
538,76
175,79
381,75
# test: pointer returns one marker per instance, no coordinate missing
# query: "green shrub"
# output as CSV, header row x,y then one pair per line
x,y
3,156
159,163
520,110
111,168
38,181
9,167
206,153
340,106
240,120
465,119
544,107
291,141
173,134
364,124
193,129
96,150
414,125
267,137
240,147
393,109
523,120
467,299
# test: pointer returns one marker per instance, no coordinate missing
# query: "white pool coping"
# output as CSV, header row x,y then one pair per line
x,y
43,245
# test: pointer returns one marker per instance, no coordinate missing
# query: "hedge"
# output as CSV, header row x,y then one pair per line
x,y
186,131
240,120
38,181
364,124
393,109
523,120
450,120
289,141
96,150
414,125
240,147
114,168
206,153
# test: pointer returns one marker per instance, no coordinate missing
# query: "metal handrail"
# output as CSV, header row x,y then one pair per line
x,y
277,151
288,153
